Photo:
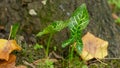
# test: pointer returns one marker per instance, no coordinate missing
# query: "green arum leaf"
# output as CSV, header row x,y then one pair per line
x,y
14,30
54,27
79,18
77,23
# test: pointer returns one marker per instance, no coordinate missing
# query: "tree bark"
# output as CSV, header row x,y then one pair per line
x,y
102,25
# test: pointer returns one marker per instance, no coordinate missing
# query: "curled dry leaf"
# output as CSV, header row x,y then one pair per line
x,y
93,47
8,64
6,47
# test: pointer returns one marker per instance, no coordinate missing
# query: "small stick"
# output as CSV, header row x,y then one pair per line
x,y
101,61
29,64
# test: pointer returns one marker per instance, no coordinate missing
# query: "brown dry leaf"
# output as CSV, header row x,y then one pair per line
x,y
6,47
8,64
93,47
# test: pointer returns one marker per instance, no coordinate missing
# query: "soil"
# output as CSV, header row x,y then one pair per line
x,y
17,11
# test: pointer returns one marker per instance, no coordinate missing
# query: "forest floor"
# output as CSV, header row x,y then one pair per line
x,y
33,54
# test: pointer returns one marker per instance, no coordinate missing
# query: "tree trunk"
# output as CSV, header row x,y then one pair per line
x,y
102,25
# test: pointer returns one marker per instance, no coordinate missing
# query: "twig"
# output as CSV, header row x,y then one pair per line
x,y
56,56
101,61
29,64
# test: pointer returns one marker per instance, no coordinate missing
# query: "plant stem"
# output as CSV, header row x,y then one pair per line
x,y
71,54
48,45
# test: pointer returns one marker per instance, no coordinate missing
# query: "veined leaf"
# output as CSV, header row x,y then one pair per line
x,y
79,18
77,22
54,27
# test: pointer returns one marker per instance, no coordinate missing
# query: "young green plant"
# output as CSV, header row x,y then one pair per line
x,y
77,23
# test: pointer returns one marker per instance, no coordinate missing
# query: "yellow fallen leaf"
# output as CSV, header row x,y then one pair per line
x,y
6,47
93,47
8,64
